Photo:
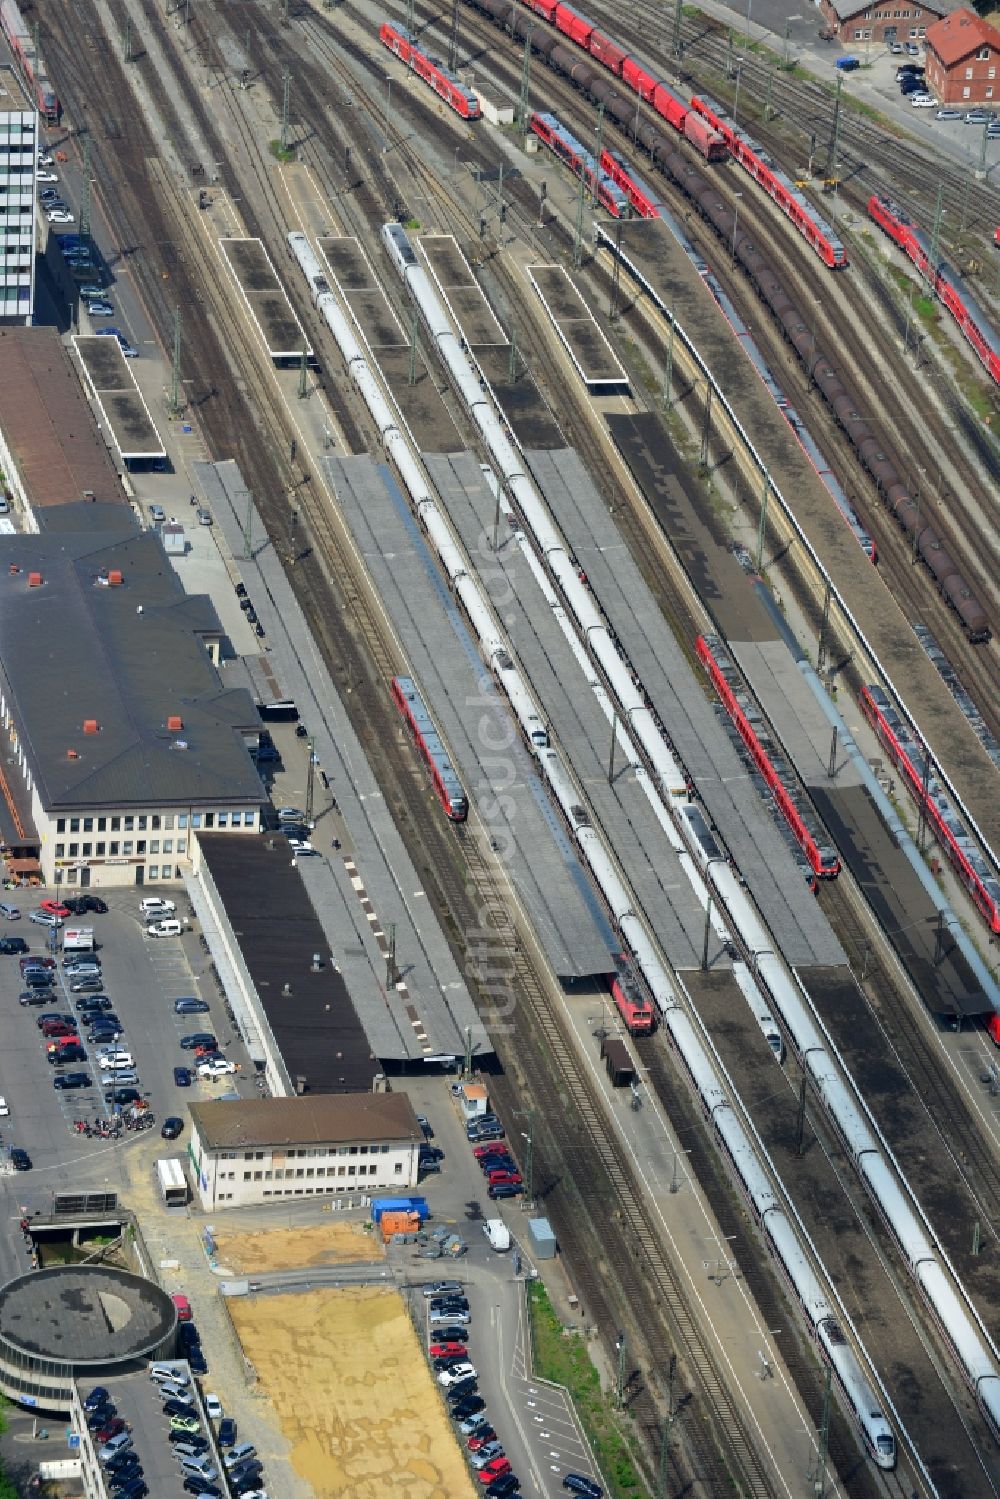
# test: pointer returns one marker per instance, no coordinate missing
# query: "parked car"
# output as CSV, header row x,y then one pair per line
x,y
227,1431
20,1159
504,1487
470,1414
197,1038
122,1095
504,1189
948,114
197,1360
110,1429
486,1454
577,1483
98,1396
439,1288
171,1127
11,945
44,918
215,1067
480,1438
190,1006
152,907
66,1080
116,1445
100,307
183,1077
495,1469
184,1423
922,101
182,1305
213,1408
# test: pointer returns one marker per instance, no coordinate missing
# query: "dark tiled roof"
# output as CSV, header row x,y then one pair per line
x,y
128,657
318,1118
311,1015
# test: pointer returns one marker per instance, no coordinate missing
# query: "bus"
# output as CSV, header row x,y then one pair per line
x,y
172,1182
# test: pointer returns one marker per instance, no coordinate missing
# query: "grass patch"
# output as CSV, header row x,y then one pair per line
x,y
282,153
413,224
562,1357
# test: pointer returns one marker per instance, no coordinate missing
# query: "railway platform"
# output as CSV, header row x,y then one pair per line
x,y
771,660
504,792
119,400
266,300
577,330
371,885
724,785
655,262
579,725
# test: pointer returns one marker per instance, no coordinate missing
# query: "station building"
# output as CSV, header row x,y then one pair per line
x,y
119,739
18,148
248,1151
877,21
963,56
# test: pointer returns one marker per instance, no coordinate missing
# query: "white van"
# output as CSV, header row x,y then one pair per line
x,y
168,928
498,1234
78,939
118,1061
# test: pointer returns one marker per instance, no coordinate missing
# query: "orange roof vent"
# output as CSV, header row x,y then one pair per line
x,y
175,723
115,578
35,580
13,569
72,754
91,726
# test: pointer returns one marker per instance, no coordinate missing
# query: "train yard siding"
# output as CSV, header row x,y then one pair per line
x,y
538,856
657,257
901,904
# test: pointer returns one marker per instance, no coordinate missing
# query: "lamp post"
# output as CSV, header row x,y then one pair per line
x,y
529,1144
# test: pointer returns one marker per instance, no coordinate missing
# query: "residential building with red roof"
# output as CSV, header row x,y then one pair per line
x,y
963,58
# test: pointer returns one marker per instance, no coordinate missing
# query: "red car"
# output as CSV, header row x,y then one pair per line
x,y
33,961
56,908
183,1307
504,1178
442,1350
59,1028
495,1147
483,1435
112,1429
495,1469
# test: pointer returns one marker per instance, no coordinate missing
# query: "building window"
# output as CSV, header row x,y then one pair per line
x,y
352,1170
87,850
129,825
247,1175
141,823
968,72
154,820
88,824
168,820
398,1168
74,850
983,55
61,825
182,821
154,846
60,850
127,846
966,92
989,93
116,824
99,849
181,845
279,1174
209,819
114,848
154,871
258,1176
991,73
223,819
248,1155
168,845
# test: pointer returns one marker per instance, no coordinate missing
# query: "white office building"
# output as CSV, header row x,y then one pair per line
x,y
249,1151
18,151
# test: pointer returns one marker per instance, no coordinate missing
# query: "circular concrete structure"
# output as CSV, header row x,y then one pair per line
x,y
77,1321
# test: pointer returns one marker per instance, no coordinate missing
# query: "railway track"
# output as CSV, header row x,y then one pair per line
x,y
195,272
870,156
900,408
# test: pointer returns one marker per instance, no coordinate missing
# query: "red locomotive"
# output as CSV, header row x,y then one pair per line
x,y
633,1006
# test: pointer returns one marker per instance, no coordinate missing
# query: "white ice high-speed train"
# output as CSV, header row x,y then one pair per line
x,y
957,1320
780,1233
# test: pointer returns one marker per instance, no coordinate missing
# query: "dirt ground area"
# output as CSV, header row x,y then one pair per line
x,y
299,1248
353,1393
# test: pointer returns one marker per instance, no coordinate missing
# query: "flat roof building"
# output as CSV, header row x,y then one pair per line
x,y
19,129
348,1145
51,450
118,735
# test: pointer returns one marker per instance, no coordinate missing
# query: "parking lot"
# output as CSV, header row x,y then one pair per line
x,y
141,976
534,1422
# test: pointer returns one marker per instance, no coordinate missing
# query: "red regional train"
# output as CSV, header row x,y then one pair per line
x,y
644,201
443,774
723,134
946,282
451,89
806,829
626,991
758,162
908,756
580,161
22,44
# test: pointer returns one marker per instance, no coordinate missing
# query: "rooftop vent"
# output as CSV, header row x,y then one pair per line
x,y
115,579
175,723
72,754
13,569
90,726
35,580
